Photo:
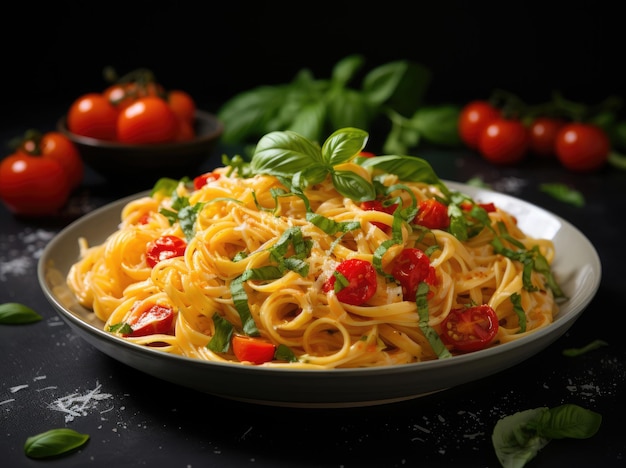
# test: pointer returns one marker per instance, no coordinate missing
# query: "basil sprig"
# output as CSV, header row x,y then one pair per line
x,y
54,442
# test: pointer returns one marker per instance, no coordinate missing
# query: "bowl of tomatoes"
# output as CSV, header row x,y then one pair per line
x,y
136,128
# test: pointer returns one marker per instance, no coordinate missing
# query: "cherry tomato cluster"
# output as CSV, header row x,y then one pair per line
x,y
38,177
136,109
508,138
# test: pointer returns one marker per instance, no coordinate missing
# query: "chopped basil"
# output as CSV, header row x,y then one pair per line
x,y
13,313
595,344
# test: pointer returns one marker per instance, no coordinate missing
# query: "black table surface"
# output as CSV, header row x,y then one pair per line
x,y
52,378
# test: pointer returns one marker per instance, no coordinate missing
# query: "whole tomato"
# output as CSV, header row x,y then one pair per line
x,y
56,146
473,118
148,120
182,104
33,185
582,147
542,135
504,141
93,115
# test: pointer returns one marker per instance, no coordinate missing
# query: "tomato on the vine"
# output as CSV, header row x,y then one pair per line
x,y
56,146
542,135
147,120
33,185
504,141
354,281
163,248
182,104
93,115
470,328
473,118
582,147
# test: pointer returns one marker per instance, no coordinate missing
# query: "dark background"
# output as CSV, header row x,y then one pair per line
x,y
55,51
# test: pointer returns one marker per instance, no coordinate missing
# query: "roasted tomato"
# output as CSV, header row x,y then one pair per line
x,y
410,268
432,214
156,319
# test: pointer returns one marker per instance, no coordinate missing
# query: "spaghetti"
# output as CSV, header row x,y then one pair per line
x,y
262,245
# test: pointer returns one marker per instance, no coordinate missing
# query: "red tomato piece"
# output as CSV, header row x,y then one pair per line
x,y
473,118
155,319
182,104
163,248
357,282
33,185
432,214
410,268
377,205
254,350
470,329
582,147
147,120
93,115
504,141
203,179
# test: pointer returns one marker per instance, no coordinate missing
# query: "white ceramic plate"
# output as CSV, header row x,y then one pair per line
x,y
579,276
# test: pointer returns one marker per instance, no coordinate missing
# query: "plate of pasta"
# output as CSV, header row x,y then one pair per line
x,y
319,276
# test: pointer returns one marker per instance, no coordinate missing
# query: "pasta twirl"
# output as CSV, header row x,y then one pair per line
x,y
261,249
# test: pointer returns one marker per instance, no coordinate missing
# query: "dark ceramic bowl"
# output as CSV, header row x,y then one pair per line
x,y
115,160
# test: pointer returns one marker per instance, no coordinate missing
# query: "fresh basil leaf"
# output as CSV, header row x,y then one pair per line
x,y
402,136
220,341
353,186
284,153
567,421
349,108
408,168
54,442
438,124
345,69
514,445
309,120
595,344
564,193
13,313
343,145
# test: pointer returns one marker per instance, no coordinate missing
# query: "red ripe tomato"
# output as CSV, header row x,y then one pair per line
x,y
33,185
254,350
203,179
504,141
182,104
470,329
92,115
156,319
542,135
147,120
582,147
473,118
163,248
377,205
354,281
432,214
57,146
410,268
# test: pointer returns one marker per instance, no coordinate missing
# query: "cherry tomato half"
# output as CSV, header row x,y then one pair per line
x,y
163,248
155,319
473,118
93,115
33,185
542,135
582,147
147,120
357,281
203,179
410,268
471,328
432,214
254,350
504,141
